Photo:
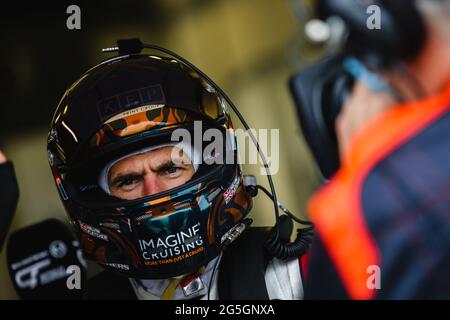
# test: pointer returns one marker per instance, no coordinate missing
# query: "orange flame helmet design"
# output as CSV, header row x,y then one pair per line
x,y
125,104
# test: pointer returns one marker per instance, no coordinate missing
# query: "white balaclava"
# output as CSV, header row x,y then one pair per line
x,y
189,150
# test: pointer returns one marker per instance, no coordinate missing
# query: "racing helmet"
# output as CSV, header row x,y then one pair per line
x,y
129,103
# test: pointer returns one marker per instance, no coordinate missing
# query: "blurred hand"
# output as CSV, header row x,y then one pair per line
x,y
362,106
2,158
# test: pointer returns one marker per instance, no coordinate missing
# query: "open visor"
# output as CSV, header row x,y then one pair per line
x,y
207,146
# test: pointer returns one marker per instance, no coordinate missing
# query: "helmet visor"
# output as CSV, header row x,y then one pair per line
x,y
143,169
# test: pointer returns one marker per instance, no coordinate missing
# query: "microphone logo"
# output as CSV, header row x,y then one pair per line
x,y
50,266
28,277
57,249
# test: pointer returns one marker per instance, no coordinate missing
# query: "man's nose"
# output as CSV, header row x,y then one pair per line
x,y
151,185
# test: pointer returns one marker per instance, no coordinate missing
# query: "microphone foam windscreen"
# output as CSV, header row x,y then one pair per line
x,y
45,262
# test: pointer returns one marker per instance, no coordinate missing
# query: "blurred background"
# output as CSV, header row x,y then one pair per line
x,y
249,47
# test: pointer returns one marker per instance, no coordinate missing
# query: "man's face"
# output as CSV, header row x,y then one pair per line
x,y
149,173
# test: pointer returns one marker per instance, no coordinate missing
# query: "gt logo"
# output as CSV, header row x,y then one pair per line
x,y
231,190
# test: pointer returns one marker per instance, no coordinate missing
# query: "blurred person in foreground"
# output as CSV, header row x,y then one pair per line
x,y
383,220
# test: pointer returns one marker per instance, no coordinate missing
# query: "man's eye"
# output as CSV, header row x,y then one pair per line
x,y
127,182
172,171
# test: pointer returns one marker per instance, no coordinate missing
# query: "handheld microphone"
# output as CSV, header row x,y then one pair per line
x,y
45,262
9,194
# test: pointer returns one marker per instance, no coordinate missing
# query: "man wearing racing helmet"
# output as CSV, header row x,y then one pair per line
x,y
155,212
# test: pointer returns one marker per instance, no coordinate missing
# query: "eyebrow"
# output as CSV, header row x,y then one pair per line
x,y
130,175
164,166
169,164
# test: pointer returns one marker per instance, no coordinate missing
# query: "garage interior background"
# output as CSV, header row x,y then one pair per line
x,y
249,47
